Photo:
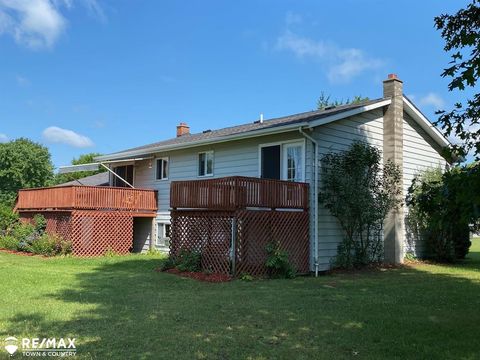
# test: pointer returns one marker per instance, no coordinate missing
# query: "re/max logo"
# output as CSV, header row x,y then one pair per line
x,y
53,343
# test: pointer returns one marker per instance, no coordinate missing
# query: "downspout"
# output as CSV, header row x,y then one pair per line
x,y
315,194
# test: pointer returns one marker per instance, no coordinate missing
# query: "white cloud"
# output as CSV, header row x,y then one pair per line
x,y
33,23
55,134
3,138
39,24
432,99
342,63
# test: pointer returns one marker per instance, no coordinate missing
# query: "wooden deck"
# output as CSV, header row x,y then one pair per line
x,y
87,198
232,193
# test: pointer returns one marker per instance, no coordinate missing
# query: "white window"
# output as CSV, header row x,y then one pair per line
x,y
283,161
161,172
293,162
163,234
205,163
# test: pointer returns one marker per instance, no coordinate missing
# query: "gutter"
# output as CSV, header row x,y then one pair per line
x,y
315,192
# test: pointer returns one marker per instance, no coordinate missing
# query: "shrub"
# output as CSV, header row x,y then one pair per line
x,y
25,234
9,243
359,191
167,264
40,223
7,219
277,262
188,261
50,245
443,209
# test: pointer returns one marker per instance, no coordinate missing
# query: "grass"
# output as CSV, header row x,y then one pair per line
x,y
120,308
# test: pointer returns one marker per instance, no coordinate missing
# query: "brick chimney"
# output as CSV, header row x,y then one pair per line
x,y
183,129
393,150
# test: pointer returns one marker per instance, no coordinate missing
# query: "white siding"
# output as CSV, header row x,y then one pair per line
x,y
338,136
420,152
230,159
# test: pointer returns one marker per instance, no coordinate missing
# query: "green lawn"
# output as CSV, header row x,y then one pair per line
x,y
120,308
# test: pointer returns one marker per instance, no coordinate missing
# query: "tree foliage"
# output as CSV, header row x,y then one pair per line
x,y
359,192
82,159
443,209
461,32
23,164
325,101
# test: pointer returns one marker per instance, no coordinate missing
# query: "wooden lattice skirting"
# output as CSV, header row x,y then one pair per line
x,y
212,233
92,233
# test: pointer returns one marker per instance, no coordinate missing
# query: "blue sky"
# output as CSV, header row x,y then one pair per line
x,y
82,76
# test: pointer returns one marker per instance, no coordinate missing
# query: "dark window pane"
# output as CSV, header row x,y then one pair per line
x,y
270,162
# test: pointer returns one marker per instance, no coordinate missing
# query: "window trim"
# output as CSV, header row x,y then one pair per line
x,y
198,163
284,166
113,177
299,141
163,223
166,158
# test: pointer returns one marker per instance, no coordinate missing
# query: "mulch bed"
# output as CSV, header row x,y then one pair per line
x,y
200,276
22,253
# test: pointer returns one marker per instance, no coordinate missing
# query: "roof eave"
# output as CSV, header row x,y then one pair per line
x,y
424,123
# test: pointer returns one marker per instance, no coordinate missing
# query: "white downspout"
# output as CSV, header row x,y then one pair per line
x,y
315,194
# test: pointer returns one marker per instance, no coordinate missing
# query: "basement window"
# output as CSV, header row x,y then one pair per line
x,y
163,234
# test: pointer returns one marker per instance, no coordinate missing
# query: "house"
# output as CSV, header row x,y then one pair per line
x,y
287,148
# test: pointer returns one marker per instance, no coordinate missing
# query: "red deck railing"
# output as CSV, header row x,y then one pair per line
x,y
87,198
231,193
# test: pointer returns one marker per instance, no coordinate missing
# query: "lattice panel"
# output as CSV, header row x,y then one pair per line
x,y
57,222
208,232
96,232
255,229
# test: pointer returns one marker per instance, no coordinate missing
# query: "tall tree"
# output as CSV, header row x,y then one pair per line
x,y
82,159
461,32
23,164
325,101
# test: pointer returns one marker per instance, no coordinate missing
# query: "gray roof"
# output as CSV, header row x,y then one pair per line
x,y
101,179
249,127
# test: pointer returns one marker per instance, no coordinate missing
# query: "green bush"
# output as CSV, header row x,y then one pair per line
x,y
7,219
40,223
9,243
359,190
50,245
443,209
277,262
188,261
23,232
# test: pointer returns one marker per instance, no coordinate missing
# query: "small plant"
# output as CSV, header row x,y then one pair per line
x,y
153,252
410,256
277,262
188,261
246,277
44,245
9,243
40,224
110,253
24,232
167,264
50,245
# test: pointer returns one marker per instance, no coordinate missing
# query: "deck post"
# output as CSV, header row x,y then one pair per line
x,y
233,244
